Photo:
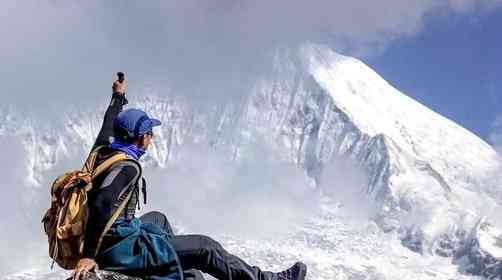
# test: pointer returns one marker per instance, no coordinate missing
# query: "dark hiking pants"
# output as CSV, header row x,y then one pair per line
x,y
199,252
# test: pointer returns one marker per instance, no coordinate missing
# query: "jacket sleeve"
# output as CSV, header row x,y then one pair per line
x,y
116,104
102,202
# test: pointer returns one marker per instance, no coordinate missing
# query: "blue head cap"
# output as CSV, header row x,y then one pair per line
x,y
135,122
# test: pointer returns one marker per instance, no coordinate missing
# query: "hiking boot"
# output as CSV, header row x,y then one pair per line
x,y
297,272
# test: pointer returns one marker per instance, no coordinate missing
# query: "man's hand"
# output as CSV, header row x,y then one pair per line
x,y
84,266
119,87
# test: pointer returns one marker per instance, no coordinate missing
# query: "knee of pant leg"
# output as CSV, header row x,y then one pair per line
x,y
158,218
207,243
193,274
155,217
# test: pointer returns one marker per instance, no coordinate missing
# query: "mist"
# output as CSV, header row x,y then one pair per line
x,y
256,196
21,235
345,182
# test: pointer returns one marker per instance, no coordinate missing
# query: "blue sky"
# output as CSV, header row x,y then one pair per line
x,y
454,66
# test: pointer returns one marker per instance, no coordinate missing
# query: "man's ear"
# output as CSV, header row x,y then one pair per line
x,y
141,141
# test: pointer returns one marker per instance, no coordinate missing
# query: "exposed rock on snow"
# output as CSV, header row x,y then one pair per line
x,y
107,275
483,252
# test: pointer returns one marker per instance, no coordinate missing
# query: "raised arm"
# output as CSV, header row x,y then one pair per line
x,y
117,103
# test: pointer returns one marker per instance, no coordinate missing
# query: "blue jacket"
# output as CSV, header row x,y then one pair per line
x,y
140,249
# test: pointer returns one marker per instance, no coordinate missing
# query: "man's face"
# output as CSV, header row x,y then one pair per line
x,y
121,78
146,140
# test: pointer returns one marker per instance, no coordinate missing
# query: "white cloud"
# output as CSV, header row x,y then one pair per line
x,y
57,51
495,139
495,136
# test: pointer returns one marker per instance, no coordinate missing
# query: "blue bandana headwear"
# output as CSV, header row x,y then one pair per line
x,y
129,149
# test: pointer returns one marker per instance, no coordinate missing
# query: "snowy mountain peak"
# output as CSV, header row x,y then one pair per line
x,y
376,107
417,138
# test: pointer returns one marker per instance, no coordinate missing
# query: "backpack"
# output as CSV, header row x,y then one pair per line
x,y
65,221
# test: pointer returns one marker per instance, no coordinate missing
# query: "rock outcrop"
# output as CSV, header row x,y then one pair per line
x,y
482,254
107,275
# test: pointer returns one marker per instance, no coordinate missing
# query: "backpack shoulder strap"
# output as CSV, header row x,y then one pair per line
x,y
91,159
122,204
105,165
